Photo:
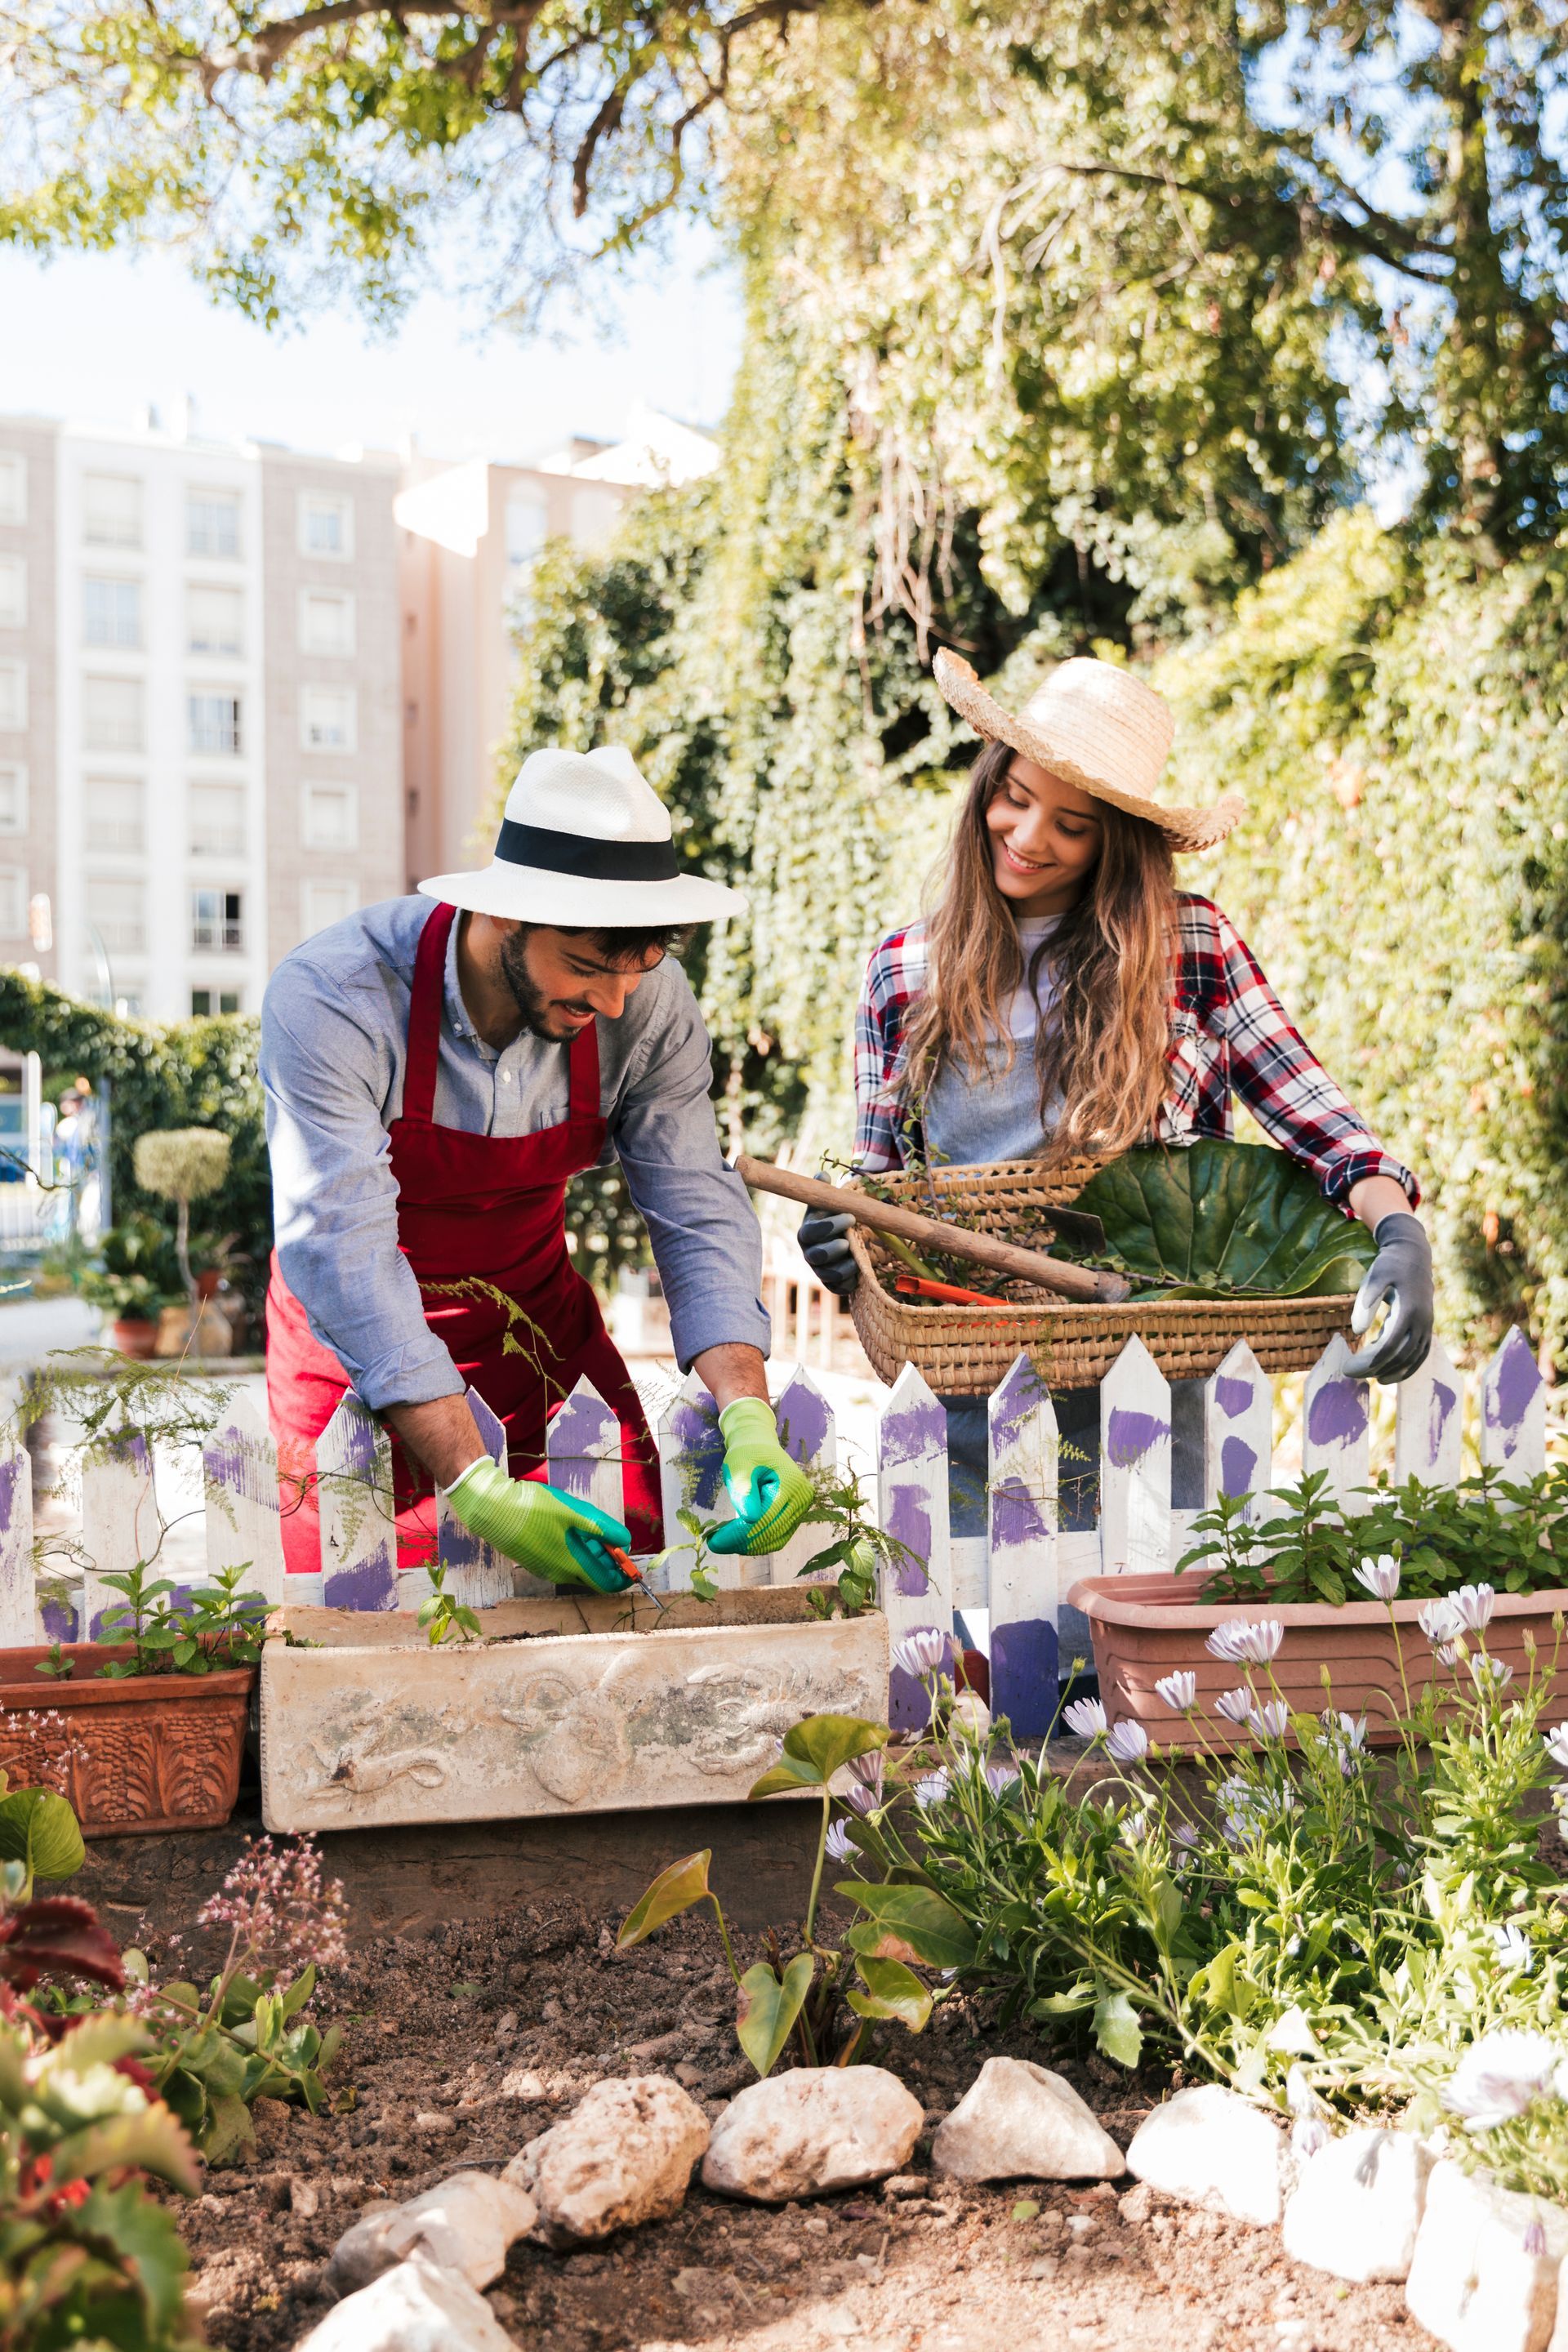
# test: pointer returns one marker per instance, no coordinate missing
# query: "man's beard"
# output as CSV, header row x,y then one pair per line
x,y
532,1004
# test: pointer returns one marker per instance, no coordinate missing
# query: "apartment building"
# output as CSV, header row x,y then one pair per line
x,y
468,535
199,709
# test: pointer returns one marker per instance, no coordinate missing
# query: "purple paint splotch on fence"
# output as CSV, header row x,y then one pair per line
x,y
909,1522
1509,1393
1025,1665
12,1466
1337,1414
694,1424
803,1422
1232,1396
1016,1518
912,1432
1238,1466
371,1583
1022,1393
1131,1435
578,1429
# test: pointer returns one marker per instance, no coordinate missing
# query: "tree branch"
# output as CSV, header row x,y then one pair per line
x,y
604,123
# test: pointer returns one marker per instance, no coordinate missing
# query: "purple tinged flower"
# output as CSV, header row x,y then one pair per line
x,y
1235,1706
1380,1576
1135,1826
1252,1642
1533,2242
1515,1952
863,1801
934,1789
923,1652
1086,1717
1473,1606
1186,1835
1500,2078
839,1848
1556,1745
1179,1691
865,1772
1438,1619
1270,1719
1309,2134
1128,1742
1492,1671
1000,1777
1447,1654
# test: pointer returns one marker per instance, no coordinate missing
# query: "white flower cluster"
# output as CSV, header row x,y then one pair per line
x,y
1501,2076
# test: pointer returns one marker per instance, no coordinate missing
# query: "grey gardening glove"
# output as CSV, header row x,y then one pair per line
x,y
1401,1273
827,1252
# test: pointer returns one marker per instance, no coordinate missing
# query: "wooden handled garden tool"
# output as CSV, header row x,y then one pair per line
x,y
1082,1283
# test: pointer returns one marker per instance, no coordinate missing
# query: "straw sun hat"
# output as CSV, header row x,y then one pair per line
x,y
1098,728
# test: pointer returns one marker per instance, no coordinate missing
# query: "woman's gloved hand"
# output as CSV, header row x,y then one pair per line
x,y
1399,1274
771,1493
826,1250
554,1535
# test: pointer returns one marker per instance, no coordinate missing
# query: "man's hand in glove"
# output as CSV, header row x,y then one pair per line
x,y
827,1252
771,1493
1401,1275
554,1535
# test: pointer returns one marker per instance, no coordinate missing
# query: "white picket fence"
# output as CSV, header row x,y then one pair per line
x,y
1016,1573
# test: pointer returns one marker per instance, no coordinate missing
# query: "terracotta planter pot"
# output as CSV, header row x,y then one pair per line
x,y
150,1752
134,1336
194,1331
1145,1627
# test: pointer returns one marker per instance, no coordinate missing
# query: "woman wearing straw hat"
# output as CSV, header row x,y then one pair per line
x,y
1064,996
436,1068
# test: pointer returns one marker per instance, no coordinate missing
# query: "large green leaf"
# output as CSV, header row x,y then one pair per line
x,y
673,1891
1116,2028
768,2008
908,1923
1220,1218
38,1829
816,1747
891,1991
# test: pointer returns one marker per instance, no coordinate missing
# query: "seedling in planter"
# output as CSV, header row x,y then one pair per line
x,y
859,1548
442,1615
800,2003
213,1628
56,1665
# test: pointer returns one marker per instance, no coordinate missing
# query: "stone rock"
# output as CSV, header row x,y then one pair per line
x,y
418,2307
1473,2284
463,2224
1357,2206
810,2131
1018,2121
624,2155
1208,2142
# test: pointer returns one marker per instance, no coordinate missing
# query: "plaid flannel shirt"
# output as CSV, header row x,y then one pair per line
x,y
1229,1033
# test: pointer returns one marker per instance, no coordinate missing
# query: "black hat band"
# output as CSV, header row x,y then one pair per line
x,y
595,861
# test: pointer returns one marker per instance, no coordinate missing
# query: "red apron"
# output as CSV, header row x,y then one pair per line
x,y
482,1220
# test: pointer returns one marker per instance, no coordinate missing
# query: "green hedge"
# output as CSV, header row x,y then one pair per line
x,y
1398,725
179,1073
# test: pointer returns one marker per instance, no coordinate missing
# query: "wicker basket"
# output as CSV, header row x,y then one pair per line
x,y
967,1350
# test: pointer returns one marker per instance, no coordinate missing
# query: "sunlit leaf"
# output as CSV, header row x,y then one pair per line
x,y
1222,1217
38,1827
908,1923
673,1891
1116,2030
891,1991
817,1748
768,2007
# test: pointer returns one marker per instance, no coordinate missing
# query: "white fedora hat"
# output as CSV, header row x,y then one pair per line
x,y
585,842
1095,726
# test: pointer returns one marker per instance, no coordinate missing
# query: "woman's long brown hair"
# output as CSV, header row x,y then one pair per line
x,y
1103,1048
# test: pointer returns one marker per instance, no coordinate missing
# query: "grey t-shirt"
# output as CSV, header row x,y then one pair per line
x,y
993,1113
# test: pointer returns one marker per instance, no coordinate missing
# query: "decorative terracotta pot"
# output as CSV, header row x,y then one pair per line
x,y
203,1330
1145,1627
135,1336
148,1753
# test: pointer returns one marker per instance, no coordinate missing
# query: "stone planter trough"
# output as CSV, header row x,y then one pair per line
x,y
567,1705
150,1752
1148,1626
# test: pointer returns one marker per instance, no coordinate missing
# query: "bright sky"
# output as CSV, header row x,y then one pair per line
x,y
99,336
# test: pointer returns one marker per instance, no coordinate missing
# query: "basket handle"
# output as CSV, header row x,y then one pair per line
x,y
1082,1283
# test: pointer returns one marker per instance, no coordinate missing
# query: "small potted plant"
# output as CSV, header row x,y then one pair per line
x,y
184,1164
135,1277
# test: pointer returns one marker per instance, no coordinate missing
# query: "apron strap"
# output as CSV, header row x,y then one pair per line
x,y
585,1070
424,999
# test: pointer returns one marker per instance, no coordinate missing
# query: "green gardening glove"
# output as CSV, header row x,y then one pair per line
x,y
771,1493
554,1535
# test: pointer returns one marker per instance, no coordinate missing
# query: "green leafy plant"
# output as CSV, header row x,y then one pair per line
x,y
821,2001
86,2257
1509,1534
202,1632
136,1272
442,1616
1220,1219
858,1547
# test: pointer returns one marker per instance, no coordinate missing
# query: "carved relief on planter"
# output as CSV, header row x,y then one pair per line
x,y
367,1735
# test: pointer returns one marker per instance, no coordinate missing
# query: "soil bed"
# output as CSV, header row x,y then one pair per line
x,y
462,2047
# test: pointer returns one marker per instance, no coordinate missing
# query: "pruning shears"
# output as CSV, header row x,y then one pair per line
x,y
628,1567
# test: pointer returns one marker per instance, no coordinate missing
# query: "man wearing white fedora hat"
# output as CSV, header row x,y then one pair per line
x,y
435,1074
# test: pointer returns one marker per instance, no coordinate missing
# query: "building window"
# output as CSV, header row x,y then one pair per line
x,y
214,724
112,612
217,921
331,817
527,526
326,525
217,821
215,1000
12,485
13,694
321,903
327,622
112,510
12,902
13,796
214,621
111,714
211,522
115,814
116,910
13,592
327,718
